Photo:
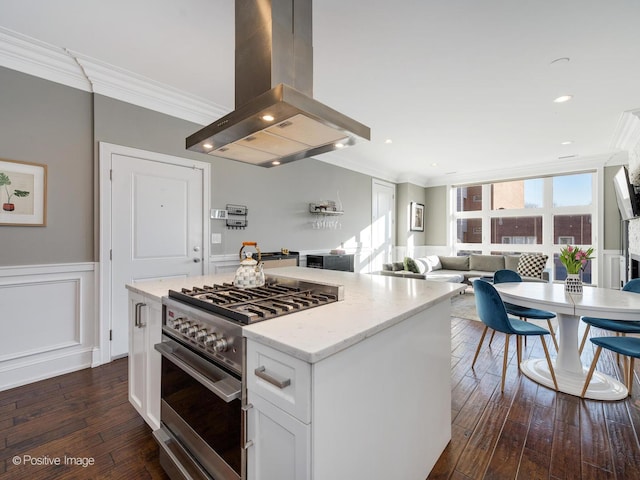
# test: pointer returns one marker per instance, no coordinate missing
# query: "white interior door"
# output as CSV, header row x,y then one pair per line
x,y
156,229
383,207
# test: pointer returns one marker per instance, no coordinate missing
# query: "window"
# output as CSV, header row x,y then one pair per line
x,y
530,215
469,230
469,199
572,190
575,227
529,228
517,194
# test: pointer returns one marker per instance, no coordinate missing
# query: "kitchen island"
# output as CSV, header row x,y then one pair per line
x,y
358,388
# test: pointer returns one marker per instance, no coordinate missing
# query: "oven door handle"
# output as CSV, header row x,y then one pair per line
x,y
225,386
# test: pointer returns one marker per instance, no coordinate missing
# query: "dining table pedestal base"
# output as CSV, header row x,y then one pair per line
x,y
601,387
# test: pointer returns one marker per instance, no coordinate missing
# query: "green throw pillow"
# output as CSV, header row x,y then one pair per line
x,y
410,265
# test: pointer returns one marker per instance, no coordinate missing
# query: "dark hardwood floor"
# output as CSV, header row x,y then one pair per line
x,y
79,417
529,432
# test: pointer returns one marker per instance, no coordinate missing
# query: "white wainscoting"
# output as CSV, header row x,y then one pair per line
x,y
47,314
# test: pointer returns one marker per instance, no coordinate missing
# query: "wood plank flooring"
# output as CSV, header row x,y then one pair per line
x,y
81,417
529,432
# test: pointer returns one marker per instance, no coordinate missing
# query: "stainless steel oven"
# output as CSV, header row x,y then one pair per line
x,y
203,394
201,412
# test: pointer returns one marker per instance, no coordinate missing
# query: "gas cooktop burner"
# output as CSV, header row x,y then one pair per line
x,y
277,297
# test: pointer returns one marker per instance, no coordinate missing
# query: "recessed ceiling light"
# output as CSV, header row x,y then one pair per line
x,y
275,162
388,140
567,156
568,142
268,118
208,146
560,60
434,164
563,98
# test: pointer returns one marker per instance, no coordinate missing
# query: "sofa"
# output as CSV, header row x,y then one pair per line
x,y
463,268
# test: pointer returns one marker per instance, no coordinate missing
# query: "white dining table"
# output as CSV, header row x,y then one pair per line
x,y
593,302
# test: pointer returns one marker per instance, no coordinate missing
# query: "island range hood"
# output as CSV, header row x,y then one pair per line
x,y
276,119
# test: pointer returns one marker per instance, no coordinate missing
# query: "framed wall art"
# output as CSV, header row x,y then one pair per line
x,y
417,217
23,193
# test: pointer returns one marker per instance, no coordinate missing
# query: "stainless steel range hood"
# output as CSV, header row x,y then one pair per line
x,y
276,120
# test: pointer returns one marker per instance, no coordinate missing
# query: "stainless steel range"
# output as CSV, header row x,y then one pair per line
x,y
202,382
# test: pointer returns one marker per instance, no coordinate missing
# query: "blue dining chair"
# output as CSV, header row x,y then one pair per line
x,y
493,314
524,313
626,346
618,326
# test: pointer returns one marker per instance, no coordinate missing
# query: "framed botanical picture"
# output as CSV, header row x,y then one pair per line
x,y
23,193
417,217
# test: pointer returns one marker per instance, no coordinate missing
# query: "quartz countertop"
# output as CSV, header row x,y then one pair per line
x,y
371,304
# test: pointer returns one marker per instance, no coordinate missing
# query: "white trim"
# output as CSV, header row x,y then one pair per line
x,y
130,87
627,132
19,270
557,167
34,57
106,150
30,362
28,55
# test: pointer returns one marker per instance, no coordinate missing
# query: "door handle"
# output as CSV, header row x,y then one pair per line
x,y
196,260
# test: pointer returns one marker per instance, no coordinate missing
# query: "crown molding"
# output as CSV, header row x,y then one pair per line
x,y
627,132
579,164
34,57
40,59
121,84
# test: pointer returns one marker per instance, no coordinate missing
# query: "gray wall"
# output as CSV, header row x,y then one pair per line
x,y
436,215
59,126
405,194
612,218
44,122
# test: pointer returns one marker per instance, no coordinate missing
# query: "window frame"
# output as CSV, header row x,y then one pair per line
x,y
547,211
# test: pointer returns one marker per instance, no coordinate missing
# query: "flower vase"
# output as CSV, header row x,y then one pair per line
x,y
573,284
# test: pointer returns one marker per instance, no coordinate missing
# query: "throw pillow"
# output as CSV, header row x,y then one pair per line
x,y
531,265
455,263
423,265
434,261
397,266
410,265
387,267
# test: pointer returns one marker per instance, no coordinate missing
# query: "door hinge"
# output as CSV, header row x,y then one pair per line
x,y
110,335
110,254
111,174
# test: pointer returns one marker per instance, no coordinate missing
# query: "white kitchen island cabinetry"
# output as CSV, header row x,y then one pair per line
x,y
145,330
375,407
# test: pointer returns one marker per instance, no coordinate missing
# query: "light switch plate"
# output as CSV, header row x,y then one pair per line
x,y
216,238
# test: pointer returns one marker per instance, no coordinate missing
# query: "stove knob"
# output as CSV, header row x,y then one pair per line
x,y
200,335
192,330
210,339
220,345
175,322
184,326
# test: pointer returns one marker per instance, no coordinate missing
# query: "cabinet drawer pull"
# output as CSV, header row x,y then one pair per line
x,y
280,383
137,316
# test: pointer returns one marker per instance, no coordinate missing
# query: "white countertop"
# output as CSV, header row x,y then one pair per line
x,y
371,303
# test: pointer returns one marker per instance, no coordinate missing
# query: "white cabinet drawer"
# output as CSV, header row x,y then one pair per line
x,y
281,379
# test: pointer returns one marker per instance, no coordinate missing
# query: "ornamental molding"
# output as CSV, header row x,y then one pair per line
x,y
34,57
627,132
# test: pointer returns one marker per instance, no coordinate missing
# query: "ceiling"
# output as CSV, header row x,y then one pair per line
x,y
458,87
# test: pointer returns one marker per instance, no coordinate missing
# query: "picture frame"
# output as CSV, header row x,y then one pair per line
x,y
416,216
23,193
